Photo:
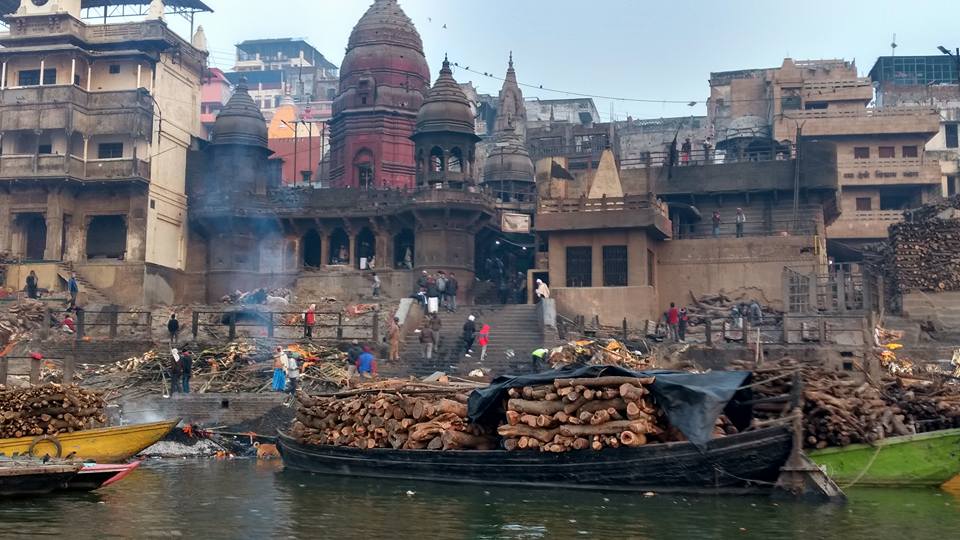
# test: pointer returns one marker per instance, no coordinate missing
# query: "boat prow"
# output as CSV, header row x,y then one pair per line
x,y
102,445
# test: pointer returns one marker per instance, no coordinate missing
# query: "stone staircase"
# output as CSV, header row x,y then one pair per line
x,y
513,328
93,295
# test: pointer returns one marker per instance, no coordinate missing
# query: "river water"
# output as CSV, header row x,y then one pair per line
x,y
249,499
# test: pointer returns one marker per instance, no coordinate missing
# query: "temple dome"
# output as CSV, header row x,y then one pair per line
x,y
446,108
240,121
508,160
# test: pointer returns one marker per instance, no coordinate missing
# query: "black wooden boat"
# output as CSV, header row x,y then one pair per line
x,y
34,478
744,460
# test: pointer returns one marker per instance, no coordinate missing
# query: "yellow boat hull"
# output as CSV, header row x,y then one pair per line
x,y
103,445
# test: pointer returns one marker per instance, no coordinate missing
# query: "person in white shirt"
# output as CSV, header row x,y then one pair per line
x,y
542,290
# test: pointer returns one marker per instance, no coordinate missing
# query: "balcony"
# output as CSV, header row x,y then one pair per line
x,y
864,224
631,211
30,167
71,107
875,121
860,89
885,172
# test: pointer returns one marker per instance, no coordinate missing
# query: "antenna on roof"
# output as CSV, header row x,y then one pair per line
x,y
893,46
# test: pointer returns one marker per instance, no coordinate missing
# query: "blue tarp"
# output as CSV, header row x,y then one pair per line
x,y
691,401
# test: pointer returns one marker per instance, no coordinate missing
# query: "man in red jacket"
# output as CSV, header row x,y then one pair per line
x,y
673,321
309,319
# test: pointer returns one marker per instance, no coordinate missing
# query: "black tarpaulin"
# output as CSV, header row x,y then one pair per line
x,y
691,401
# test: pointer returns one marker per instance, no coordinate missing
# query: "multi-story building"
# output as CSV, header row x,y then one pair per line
x,y
924,82
882,165
215,93
275,67
96,121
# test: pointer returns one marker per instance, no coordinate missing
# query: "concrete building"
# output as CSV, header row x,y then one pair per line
x,y
309,76
300,139
882,164
924,82
96,123
214,94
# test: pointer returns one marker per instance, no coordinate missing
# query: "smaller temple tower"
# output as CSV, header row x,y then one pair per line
x,y
508,171
445,138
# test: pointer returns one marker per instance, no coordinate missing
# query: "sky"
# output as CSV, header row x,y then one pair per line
x,y
634,49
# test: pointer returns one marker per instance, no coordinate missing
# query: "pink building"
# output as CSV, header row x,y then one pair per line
x,y
215,93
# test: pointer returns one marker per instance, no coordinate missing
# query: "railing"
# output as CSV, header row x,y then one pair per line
x,y
55,165
874,215
329,325
31,96
832,84
705,229
604,204
861,113
701,156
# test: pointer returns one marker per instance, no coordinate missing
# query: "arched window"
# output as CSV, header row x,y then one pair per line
x,y
311,249
456,161
339,247
363,164
436,159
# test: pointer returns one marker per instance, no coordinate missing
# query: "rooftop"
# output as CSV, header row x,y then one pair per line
x,y
915,70
173,6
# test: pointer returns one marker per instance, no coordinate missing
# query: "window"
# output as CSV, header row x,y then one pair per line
x,y
815,106
114,69
614,266
951,186
861,152
951,133
651,269
31,77
109,150
44,148
790,103
580,266
910,151
365,175
887,152
864,204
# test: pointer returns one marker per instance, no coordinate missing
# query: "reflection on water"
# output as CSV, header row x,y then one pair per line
x,y
247,499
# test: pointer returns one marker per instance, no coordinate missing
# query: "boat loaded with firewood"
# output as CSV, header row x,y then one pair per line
x,y
593,427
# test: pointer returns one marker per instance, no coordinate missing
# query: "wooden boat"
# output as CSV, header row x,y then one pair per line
x,y
925,459
727,464
34,477
94,476
104,445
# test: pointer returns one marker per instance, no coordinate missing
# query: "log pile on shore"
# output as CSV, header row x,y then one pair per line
x,y
842,408
48,409
923,251
391,414
580,414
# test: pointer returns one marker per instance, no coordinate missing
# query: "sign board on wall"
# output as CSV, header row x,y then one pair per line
x,y
515,223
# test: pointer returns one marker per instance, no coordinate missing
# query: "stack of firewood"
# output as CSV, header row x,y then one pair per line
x,y
21,321
48,409
923,252
577,414
391,414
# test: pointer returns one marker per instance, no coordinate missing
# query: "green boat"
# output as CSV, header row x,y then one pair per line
x,y
922,460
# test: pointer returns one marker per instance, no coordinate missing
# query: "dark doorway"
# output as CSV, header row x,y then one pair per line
x,y
312,244
339,247
403,250
366,249
34,228
107,237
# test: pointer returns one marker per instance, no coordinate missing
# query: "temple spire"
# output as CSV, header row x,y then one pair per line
x,y
511,111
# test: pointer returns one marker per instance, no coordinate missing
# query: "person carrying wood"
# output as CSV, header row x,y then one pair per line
x,y
536,359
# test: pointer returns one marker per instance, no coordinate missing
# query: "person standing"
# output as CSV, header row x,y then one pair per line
x,y
484,340
367,364
176,371
173,328
682,324
186,370
427,341
685,150
536,359
433,296
740,220
279,371
73,288
376,285
706,151
469,334
309,319
716,223
32,285
673,321
394,337
542,290
452,288
436,325
293,373
756,313
442,287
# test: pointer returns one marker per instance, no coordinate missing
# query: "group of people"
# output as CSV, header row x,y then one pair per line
x,y
739,221
752,312
472,336
181,371
677,320
430,335
437,290
68,324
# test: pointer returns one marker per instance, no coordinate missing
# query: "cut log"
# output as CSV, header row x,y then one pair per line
x,y
603,381
610,428
535,407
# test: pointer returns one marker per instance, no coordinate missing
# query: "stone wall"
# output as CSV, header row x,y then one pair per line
x,y
206,409
734,266
610,304
943,309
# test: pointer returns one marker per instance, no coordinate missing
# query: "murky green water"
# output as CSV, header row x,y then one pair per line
x,y
246,499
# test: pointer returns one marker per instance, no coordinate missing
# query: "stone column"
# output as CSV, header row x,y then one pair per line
x,y
54,217
325,238
6,226
354,260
